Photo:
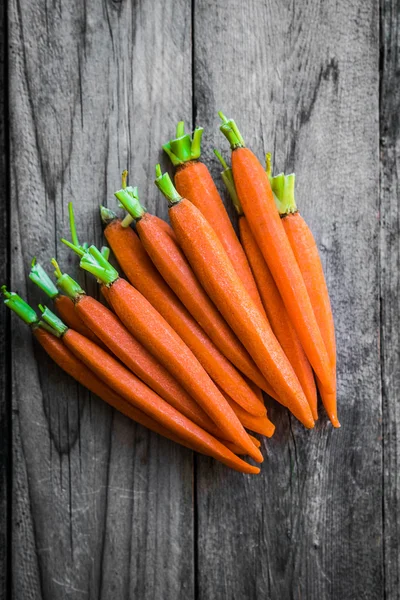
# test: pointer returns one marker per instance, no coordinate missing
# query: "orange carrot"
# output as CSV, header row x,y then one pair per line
x,y
212,266
132,353
194,182
307,256
278,317
153,331
236,449
176,271
138,268
261,425
256,197
271,298
63,304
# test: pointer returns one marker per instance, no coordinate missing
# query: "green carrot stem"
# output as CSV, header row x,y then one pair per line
x,y
227,178
39,276
184,147
166,187
51,322
129,199
107,215
72,225
20,307
77,249
268,165
96,264
277,185
105,251
231,132
288,200
124,179
127,220
65,283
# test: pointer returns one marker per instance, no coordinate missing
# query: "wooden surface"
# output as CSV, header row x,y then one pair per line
x,y
99,508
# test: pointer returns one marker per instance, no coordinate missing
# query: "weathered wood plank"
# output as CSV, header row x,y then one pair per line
x,y
301,79
5,404
101,508
389,288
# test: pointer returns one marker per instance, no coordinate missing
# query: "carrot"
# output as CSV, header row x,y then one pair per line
x,y
194,182
307,256
153,331
63,304
261,425
68,356
274,307
140,271
176,271
132,353
127,385
212,266
256,197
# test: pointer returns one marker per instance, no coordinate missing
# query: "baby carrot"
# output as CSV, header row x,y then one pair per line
x,y
194,182
261,425
307,256
127,385
274,307
176,271
63,304
142,274
256,197
132,353
212,266
153,331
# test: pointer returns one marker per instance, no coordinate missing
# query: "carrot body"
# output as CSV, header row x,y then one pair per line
x,y
210,262
194,182
142,319
65,359
141,272
306,252
124,383
139,360
165,227
277,315
260,425
176,271
66,309
255,195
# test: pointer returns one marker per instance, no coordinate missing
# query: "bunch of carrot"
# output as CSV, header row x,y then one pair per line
x,y
203,322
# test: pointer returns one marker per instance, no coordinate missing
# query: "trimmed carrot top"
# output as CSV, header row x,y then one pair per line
x,y
184,147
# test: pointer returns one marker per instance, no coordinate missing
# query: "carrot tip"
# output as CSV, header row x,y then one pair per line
x,y
334,421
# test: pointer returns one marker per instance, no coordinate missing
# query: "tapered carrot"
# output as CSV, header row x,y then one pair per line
x,y
194,182
212,266
256,197
63,304
176,271
139,269
114,378
274,307
236,449
261,425
132,353
153,331
306,252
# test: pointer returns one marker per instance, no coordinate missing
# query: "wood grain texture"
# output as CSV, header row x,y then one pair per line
x,y
5,391
101,508
389,288
301,79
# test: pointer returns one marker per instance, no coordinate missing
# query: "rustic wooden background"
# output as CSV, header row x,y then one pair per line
x,y
92,506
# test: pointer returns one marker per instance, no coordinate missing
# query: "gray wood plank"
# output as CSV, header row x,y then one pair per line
x,y
389,288
101,508
301,79
5,404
